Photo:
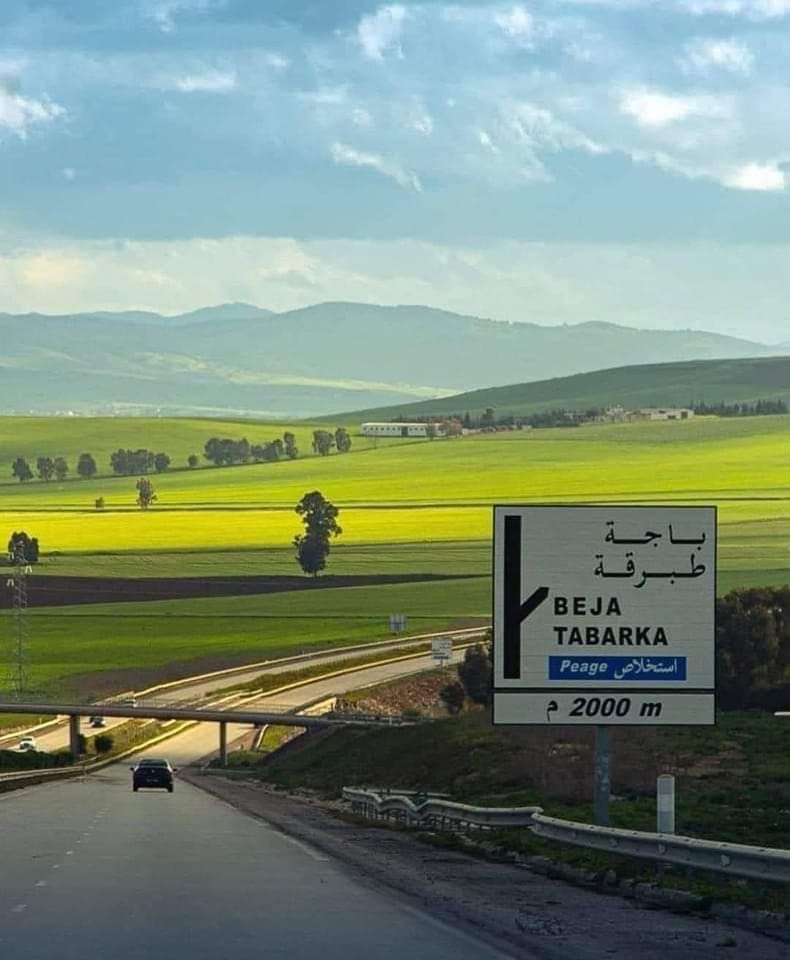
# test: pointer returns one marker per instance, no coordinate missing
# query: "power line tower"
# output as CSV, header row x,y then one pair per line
x,y
18,674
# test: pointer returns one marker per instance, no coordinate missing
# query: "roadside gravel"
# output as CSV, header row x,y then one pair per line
x,y
543,918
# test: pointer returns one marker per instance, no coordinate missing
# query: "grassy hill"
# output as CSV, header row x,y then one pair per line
x,y
235,359
659,384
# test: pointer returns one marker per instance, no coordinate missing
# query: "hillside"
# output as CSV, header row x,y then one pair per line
x,y
238,359
660,384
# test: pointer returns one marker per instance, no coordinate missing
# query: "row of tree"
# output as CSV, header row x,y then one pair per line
x,y
49,468
324,441
223,451
126,463
762,408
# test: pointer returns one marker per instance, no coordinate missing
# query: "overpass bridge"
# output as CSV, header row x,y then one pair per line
x,y
144,711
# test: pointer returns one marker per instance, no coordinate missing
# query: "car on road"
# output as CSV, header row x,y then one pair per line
x,y
152,773
28,743
97,721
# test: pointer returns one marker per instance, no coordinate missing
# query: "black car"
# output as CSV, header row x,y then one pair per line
x,y
154,774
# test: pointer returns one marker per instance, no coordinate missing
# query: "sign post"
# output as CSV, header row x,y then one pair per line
x,y
604,616
442,649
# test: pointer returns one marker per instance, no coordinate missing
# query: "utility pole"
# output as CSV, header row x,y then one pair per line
x,y
19,659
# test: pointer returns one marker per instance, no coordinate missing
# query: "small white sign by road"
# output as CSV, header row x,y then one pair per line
x,y
604,615
442,649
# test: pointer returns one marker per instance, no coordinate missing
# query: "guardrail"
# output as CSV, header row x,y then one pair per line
x,y
735,859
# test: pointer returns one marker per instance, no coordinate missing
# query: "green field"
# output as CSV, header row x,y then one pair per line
x,y
643,385
419,507
135,641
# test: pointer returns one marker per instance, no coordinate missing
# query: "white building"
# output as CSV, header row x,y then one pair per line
x,y
398,429
661,413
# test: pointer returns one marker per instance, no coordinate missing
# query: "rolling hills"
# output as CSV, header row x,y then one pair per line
x,y
238,359
661,384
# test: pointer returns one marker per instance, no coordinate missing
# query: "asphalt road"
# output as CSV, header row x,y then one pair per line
x,y
203,739
90,869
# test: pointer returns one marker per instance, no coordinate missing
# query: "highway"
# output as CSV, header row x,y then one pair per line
x,y
204,738
91,869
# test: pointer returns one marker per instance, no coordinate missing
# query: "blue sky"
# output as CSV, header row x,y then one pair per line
x,y
552,161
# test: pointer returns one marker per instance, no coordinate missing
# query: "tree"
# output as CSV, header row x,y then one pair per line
x,y
323,441
145,493
342,440
289,441
192,461
161,462
99,503
430,430
474,672
45,468
22,548
86,466
61,468
103,742
126,462
21,470
453,697
320,521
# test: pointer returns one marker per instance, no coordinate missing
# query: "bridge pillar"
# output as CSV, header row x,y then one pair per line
x,y
74,734
223,743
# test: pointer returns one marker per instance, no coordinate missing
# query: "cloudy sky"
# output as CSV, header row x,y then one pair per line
x,y
551,161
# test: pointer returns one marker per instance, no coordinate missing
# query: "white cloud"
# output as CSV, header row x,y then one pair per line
x,y
350,157
378,32
486,141
750,9
164,12
361,117
277,61
69,173
518,23
705,54
209,81
18,113
652,108
764,177
538,127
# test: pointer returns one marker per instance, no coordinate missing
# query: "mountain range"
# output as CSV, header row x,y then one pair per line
x,y
239,359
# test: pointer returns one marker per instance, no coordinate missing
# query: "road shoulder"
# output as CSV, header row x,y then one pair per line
x,y
503,903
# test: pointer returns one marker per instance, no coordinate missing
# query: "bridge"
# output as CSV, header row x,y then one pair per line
x,y
144,711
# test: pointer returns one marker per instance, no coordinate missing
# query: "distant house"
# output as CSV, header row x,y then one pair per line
x,y
399,429
662,413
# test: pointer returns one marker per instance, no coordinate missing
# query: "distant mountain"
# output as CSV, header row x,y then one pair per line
x,y
238,358
648,385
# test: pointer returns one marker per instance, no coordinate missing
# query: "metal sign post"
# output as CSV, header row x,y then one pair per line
x,y
442,650
601,778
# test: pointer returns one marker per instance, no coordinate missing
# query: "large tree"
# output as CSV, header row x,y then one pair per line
x,y
291,450
323,441
21,470
45,468
342,440
86,466
145,493
22,548
320,522
61,468
161,462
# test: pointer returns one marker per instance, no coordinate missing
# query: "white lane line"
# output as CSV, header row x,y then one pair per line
x,y
41,883
56,866
19,908
313,854
69,853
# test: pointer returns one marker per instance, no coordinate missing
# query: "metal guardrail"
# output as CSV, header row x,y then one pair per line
x,y
737,860
46,772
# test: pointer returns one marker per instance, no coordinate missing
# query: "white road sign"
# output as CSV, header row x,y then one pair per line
x,y
442,648
604,615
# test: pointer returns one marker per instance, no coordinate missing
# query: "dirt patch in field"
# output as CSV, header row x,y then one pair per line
x,y
58,591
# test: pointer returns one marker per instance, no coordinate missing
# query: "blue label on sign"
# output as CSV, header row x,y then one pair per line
x,y
617,668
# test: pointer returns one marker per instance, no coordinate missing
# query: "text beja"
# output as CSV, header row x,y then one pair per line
x,y
627,636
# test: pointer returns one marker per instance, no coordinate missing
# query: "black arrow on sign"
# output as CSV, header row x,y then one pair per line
x,y
515,611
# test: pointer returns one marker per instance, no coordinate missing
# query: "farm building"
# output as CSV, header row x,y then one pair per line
x,y
661,413
398,429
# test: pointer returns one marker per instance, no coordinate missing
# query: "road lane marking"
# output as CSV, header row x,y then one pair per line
x,y
19,908
69,853
56,866
41,883
313,854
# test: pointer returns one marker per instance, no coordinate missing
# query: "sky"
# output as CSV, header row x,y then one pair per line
x,y
555,161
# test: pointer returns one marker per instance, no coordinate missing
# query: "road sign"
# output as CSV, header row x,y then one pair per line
x,y
442,648
604,615
398,622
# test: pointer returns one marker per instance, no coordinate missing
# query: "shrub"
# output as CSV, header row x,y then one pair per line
x,y
103,742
